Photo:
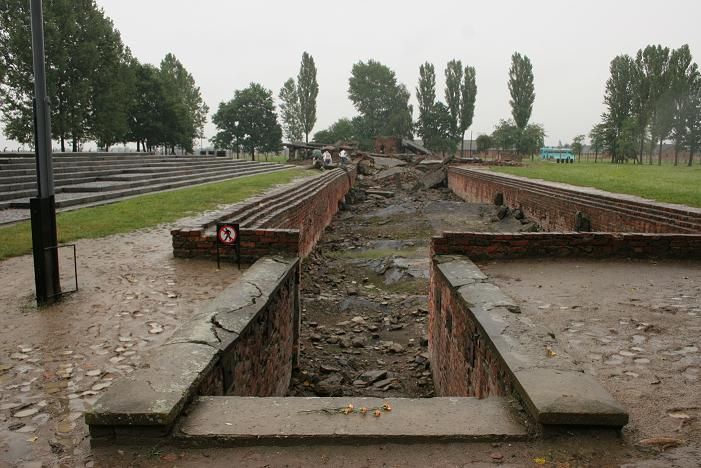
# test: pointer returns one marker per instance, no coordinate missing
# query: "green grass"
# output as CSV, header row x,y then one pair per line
x,y
665,183
144,211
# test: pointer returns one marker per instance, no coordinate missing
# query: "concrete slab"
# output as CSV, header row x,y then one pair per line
x,y
384,163
247,421
461,272
569,397
154,396
487,296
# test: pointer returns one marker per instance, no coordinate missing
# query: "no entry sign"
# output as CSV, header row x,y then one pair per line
x,y
228,236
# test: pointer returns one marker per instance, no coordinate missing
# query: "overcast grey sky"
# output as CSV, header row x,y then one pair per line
x,y
228,44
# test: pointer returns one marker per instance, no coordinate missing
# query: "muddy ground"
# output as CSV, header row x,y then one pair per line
x,y
366,284
635,325
56,361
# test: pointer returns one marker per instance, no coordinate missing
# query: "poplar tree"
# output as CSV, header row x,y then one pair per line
x,y
453,84
468,96
290,112
521,89
307,91
426,96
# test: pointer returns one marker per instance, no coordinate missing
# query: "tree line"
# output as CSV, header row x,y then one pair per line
x,y
383,106
650,98
97,89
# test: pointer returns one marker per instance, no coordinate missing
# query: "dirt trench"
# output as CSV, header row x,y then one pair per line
x,y
365,288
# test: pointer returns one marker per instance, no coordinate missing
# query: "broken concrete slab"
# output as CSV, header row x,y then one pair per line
x,y
434,179
384,163
487,296
569,398
391,172
248,421
156,394
460,272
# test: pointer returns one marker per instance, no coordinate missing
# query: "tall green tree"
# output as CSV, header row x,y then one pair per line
x,y
185,99
81,46
505,135
149,111
656,63
453,84
382,102
249,120
307,92
290,112
426,97
597,138
521,89
442,139
577,145
468,96
484,142
343,130
693,120
683,75
618,100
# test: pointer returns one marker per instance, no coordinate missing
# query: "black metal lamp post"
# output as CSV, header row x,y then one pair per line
x,y
43,207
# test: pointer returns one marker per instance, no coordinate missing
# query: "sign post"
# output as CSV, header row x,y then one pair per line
x,y
228,236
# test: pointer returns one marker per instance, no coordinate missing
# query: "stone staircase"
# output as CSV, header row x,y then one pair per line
x,y
268,210
81,180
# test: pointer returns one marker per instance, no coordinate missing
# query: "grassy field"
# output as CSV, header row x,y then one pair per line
x,y
145,211
665,183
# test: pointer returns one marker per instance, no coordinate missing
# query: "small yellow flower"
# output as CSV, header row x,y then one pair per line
x,y
539,461
350,406
363,411
387,407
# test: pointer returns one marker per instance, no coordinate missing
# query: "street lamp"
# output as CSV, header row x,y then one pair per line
x,y
43,206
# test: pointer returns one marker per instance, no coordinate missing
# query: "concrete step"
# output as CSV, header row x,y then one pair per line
x,y
235,421
65,200
142,180
93,181
247,215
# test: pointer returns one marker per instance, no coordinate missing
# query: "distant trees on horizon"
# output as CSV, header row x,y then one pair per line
x,y
97,89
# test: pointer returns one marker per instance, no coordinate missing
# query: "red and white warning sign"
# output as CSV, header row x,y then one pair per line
x,y
227,234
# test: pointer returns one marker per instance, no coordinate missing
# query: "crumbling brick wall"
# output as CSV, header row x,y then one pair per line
x,y
483,246
556,207
463,361
292,230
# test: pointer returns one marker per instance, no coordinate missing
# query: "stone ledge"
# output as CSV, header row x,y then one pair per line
x,y
569,398
156,394
237,421
553,389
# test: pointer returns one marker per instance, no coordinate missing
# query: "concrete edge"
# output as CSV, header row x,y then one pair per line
x,y
552,396
155,395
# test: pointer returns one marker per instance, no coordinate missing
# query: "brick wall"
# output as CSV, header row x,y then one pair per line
x,y
259,362
244,342
463,361
290,228
555,206
481,246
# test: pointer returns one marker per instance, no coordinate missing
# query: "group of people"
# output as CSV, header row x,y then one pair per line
x,y
325,160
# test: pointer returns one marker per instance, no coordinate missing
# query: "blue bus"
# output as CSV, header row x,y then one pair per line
x,y
559,155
